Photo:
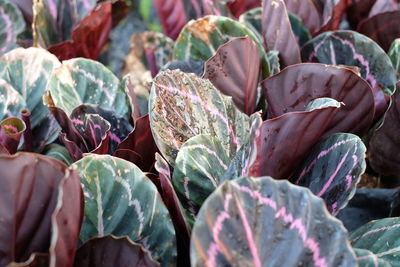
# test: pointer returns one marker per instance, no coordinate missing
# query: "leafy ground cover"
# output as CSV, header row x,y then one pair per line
x,y
199,133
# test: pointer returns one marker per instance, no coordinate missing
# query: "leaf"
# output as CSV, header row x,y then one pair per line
x,y
141,142
248,221
200,39
11,102
235,70
357,11
38,194
121,200
394,54
331,15
277,32
19,68
332,169
183,105
11,131
382,28
238,7
295,86
11,24
367,258
382,6
88,37
58,152
379,237
308,12
113,251
84,81
299,30
285,140
353,49
273,61
172,16
25,6
35,260
322,102
382,150
252,20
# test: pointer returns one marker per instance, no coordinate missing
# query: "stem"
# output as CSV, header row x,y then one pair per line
x,y
26,117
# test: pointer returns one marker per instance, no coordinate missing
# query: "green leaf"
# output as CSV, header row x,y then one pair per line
x,y
183,105
394,54
11,24
381,238
11,102
265,222
121,200
58,152
84,81
366,258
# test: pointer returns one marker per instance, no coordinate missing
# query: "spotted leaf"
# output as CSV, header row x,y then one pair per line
x,y
121,200
248,221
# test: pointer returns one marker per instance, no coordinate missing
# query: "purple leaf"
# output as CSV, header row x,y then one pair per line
x,y
11,131
307,11
172,16
382,6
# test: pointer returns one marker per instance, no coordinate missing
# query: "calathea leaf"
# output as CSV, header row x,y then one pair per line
x,y
394,54
379,237
248,221
183,105
11,131
113,251
332,169
235,70
84,81
294,87
237,8
121,200
365,257
58,152
50,195
354,49
172,16
299,30
307,11
252,20
11,24
382,6
11,102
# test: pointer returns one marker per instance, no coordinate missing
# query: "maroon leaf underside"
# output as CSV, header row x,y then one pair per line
x,y
238,7
358,11
277,32
172,16
28,200
141,142
294,87
382,6
284,141
383,152
88,37
11,131
307,12
332,15
235,70
383,28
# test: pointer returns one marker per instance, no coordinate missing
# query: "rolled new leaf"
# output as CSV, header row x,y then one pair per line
x,y
11,131
11,24
84,81
332,170
379,237
248,221
354,49
50,196
294,87
183,105
113,251
121,200
235,70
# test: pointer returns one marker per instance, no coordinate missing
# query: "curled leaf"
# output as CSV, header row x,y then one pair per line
x,y
11,131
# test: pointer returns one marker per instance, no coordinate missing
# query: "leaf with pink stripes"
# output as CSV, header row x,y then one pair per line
x,y
84,81
293,88
264,222
332,169
366,258
11,24
354,49
183,105
382,28
381,238
277,32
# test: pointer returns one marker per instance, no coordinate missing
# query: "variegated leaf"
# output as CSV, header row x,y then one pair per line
x,y
354,49
200,39
84,81
366,258
121,200
11,102
183,105
58,152
381,238
28,71
332,169
11,24
256,221
394,54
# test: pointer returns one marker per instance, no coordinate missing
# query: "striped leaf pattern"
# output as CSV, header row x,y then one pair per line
x,y
121,200
84,81
11,24
354,49
182,106
332,169
366,258
394,54
256,221
381,238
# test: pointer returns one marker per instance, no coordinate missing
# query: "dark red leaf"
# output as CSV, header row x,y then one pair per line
x,y
277,32
382,28
238,7
294,87
172,16
332,15
357,11
128,155
307,11
11,131
235,70
88,37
